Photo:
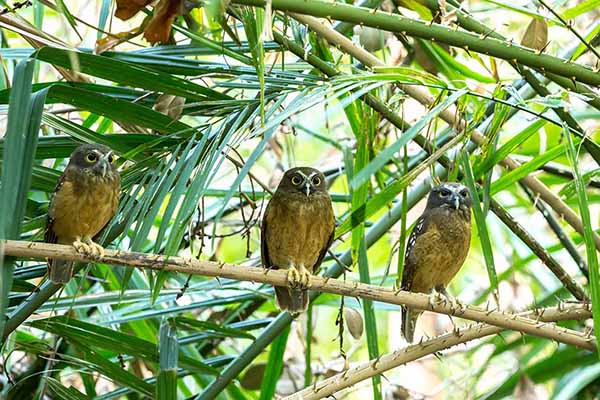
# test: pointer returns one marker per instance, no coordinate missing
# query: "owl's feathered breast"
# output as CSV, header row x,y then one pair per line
x,y
82,206
437,249
297,230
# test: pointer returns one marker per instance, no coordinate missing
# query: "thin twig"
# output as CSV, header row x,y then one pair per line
x,y
279,278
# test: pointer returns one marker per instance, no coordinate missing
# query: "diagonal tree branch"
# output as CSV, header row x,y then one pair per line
x,y
407,354
321,284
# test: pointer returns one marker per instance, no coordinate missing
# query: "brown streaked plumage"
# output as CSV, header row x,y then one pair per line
x,y
437,246
296,232
84,201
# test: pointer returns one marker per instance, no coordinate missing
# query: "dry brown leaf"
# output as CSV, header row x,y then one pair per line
x,y
159,28
111,41
169,105
398,392
128,8
536,35
354,321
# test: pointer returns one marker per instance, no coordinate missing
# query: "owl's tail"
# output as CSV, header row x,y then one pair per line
x,y
409,322
293,300
59,271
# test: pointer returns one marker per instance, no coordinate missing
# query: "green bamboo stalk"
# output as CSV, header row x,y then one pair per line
x,y
430,31
470,23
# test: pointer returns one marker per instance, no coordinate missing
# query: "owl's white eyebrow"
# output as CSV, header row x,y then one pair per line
x,y
302,173
313,174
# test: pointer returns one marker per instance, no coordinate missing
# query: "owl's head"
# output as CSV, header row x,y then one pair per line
x,y
94,159
305,180
451,195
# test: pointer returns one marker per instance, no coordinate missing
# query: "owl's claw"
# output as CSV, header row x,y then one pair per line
x,y
96,250
435,298
441,291
305,277
88,247
293,277
81,247
298,278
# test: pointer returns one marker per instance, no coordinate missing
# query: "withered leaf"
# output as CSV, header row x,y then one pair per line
x,y
110,41
128,8
169,105
159,28
536,35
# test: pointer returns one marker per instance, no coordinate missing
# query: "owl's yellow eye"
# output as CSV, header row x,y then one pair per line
x,y
91,157
316,181
296,180
111,159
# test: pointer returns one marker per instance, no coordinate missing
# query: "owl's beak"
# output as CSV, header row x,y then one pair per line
x,y
455,201
307,186
105,164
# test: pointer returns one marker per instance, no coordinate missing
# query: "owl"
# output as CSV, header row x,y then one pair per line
x,y
296,232
437,246
84,201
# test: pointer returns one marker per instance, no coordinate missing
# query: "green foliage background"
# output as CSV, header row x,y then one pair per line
x,y
195,184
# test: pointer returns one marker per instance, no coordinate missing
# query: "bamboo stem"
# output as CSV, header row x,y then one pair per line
x,y
431,31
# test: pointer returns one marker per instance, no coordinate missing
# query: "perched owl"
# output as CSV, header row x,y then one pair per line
x,y
437,246
84,201
296,232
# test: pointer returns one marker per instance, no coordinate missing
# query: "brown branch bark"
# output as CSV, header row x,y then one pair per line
x,y
279,278
449,115
407,354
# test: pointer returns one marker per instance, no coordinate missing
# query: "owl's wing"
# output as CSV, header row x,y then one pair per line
x,y
410,267
323,252
264,249
49,235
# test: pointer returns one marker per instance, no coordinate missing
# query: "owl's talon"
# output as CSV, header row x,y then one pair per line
x,y
293,277
81,247
454,304
96,250
436,298
305,278
89,248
